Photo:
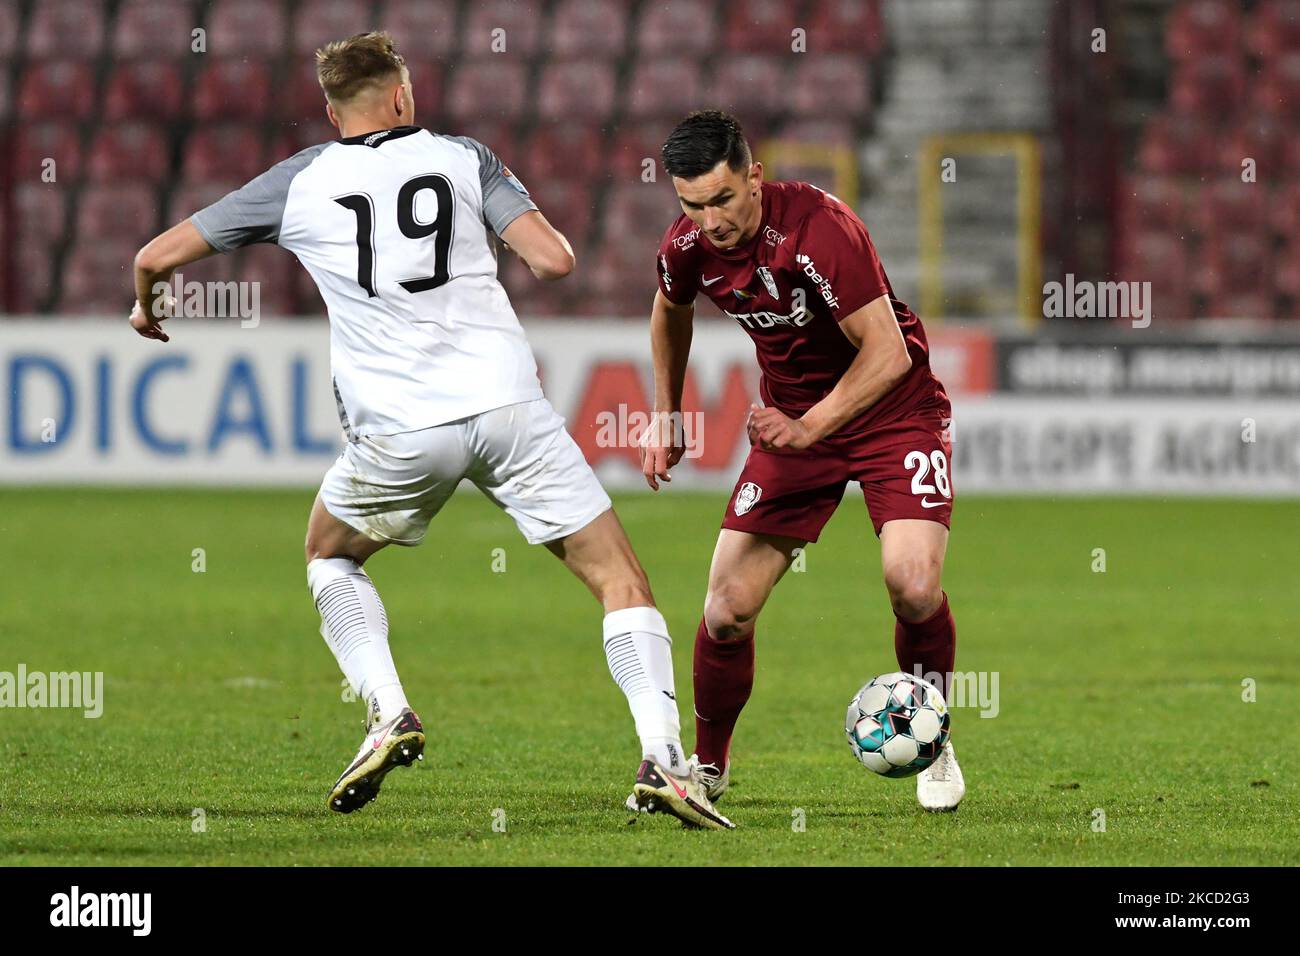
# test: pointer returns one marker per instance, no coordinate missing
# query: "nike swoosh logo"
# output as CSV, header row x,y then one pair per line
x,y
681,791
709,282
932,504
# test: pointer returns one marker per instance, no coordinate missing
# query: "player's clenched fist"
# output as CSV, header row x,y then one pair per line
x,y
772,430
662,447
147,325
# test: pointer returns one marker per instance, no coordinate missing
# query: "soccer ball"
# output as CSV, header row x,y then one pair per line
x,y
897,725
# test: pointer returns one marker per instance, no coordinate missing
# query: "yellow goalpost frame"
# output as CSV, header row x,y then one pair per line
x,y
1025,149
840,160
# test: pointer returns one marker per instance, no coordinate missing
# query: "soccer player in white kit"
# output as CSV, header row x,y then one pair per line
x,y
435,382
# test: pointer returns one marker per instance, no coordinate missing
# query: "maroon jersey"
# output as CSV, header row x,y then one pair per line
x,y
807,240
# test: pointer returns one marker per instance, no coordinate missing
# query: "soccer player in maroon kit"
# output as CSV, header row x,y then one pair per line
x,y
848,395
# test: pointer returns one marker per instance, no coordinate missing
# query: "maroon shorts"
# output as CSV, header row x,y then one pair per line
x,y
903,468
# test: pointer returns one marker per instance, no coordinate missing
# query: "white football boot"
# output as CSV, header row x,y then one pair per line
x,y
658,791
940,787
715,784
396,743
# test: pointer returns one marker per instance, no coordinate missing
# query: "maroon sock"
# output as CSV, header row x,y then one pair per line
x,y
928,646
724,676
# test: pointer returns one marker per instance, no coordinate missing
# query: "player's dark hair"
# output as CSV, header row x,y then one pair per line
x,y
702,140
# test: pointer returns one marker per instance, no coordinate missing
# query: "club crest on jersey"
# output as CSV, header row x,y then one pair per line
x,y
513,180
769,283
747,497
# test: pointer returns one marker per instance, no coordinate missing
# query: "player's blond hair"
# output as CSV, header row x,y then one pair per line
x,y
367,61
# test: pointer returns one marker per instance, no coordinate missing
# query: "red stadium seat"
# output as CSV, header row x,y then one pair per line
x,y
1262,139
426,88
1160,258
118,210
421,29
268,266
1274,29
631,144
57,88
8,29
246,28
829,86
499,137
232,89
299,97
1232,264
1151,202
563,151
1284,211
760,26
618,280
1251,303
132,150
225,151
33,277
576,90
319,21
639,213
66,28
154,28
846,26
294,139
677,28
1177,145
664,88
493,88
149,89
750,86
1230,206
1209,86
531,296
591,28
39,213
50,140
521,23
568,206
1198,28
97,278
1286,277
189,196
1276,91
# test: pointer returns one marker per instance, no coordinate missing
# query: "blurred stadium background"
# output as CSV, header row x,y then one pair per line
x,y
991,146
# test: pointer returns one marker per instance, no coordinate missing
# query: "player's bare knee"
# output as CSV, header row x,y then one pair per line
x,y
626,586
729,615
915,593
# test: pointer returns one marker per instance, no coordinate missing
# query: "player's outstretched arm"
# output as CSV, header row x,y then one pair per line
x,y
154,264
663,444
542,247
881,363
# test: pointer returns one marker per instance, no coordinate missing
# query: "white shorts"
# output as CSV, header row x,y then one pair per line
x,y
390,486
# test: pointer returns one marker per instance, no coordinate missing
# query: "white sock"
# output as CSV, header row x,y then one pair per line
x,y
640,656
355,626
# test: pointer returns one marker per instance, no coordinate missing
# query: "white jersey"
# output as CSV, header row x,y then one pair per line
x,y
393,227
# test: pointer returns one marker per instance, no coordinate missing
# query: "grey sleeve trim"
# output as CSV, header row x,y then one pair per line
x,y
504,197
253,212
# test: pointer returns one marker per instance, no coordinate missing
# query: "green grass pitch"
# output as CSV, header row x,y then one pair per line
x,y
1120,692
